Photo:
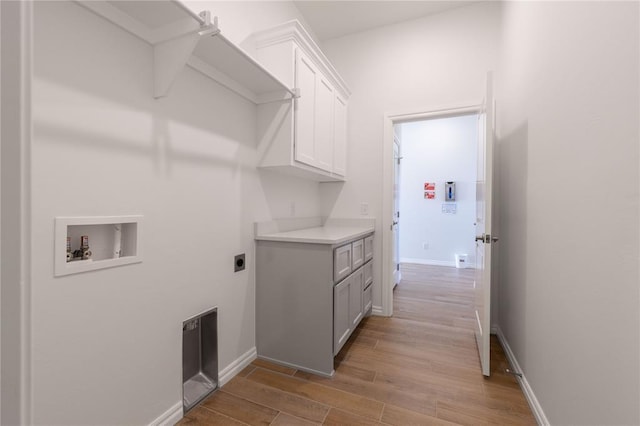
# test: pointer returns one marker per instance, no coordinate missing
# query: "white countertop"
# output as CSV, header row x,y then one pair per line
x,y
319,235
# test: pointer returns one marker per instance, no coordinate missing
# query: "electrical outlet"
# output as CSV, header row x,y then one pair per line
x,y
364,209
239,262
425,246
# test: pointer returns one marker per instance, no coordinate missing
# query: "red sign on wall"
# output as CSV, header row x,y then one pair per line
x,y
429,190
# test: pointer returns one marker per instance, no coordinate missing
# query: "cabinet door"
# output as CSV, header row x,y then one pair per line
x,y
341,323
356,289
304,131
324,124
341,262
368,248
339,136
368,274
367,301
357,248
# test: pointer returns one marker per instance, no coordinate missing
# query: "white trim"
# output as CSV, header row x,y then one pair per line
x,y
26,136
294,31
236,366
175,413
428,262
390,119
169,417
536,408
376,310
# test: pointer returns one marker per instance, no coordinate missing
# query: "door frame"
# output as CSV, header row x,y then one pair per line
x,y
391,119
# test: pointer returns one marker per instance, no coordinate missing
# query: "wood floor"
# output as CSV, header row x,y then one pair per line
x,y
420,367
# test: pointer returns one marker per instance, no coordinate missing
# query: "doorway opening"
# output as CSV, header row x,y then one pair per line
x,y
435,209
437,191
432,153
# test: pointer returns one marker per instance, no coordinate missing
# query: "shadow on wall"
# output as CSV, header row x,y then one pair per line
x,y
513,152
329,194
97,91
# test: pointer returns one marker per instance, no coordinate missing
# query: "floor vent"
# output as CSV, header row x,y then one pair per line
x,y
199,358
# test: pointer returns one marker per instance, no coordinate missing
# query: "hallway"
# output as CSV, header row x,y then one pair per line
x,y
420,367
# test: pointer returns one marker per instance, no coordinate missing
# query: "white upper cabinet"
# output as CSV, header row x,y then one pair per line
x,y
305,111
306,137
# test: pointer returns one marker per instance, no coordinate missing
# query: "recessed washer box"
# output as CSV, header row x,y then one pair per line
x,y
104,233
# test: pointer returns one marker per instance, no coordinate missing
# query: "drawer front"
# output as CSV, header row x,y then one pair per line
x,y
342,262
367,301
368,248
368,274
357,248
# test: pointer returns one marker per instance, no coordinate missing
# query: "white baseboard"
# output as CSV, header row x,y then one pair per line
x,y
536,408
376,310
175,413
169,417
237,366
428,262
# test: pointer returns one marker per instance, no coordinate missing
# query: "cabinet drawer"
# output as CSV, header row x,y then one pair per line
x,y
368,274
368,248
357,249
342,262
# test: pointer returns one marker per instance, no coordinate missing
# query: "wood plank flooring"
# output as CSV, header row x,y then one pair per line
x,y
420,367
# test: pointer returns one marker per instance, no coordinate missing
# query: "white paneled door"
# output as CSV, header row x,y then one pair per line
x,y
396,212
484,237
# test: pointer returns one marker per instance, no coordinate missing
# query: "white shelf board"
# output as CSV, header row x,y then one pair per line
x,y
163,23
164,12
229,59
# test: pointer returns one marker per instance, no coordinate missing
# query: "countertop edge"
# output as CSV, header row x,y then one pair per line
x,y
315,240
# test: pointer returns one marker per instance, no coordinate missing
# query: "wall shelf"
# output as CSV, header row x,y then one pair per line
x,y
103,239
180,37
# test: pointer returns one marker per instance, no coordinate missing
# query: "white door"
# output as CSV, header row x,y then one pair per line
x,y
484,237
396,212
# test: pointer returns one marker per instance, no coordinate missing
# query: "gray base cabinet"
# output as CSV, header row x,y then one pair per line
x,y
309,299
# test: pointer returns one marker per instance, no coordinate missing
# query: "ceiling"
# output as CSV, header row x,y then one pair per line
x,y
331,18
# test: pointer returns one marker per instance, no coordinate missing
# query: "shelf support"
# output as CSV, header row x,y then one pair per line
x,y
170,56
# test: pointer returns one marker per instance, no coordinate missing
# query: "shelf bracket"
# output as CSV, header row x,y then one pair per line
x,y
170,56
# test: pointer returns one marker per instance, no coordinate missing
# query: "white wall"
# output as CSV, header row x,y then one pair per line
x,y
107,344
415,66
438,150
568,111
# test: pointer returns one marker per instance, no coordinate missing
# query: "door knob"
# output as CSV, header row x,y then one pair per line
x,y
487,238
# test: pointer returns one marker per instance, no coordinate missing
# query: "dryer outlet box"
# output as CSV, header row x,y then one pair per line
x,y
239,262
